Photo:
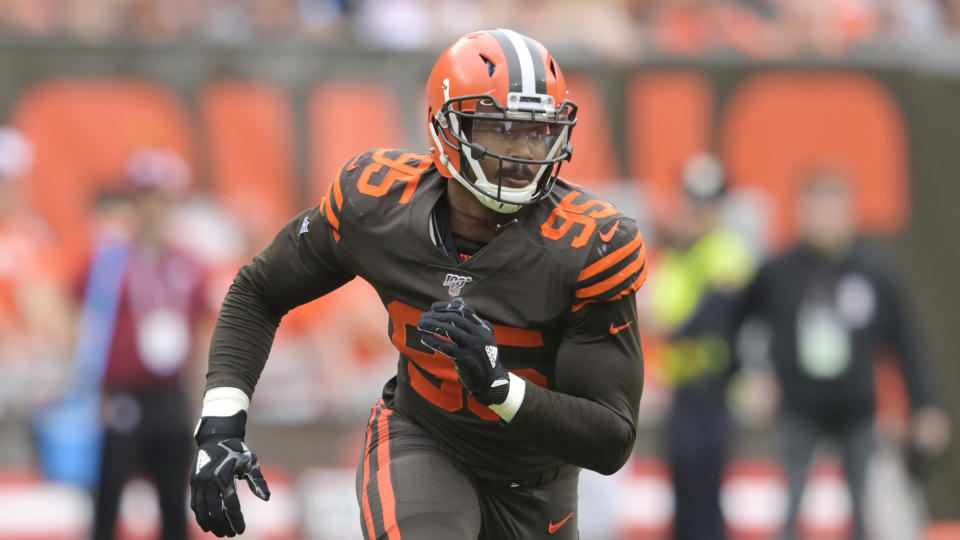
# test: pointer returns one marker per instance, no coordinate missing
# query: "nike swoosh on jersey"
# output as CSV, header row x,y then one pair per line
x,y
607,236
555,527
617,329
354,163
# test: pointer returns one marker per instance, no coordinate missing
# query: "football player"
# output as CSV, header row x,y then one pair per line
x,y
510,294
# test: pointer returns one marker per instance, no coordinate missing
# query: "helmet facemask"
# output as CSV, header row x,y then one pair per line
x,y
510,155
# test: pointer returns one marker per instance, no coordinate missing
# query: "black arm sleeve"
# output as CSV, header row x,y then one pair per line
x,y
902,334
590,419
746,304
295,268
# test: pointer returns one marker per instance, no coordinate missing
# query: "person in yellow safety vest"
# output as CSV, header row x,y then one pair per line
x,y
701,267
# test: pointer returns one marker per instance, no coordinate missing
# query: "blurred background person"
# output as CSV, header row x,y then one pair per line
x,y
831,304
34,321
700,267
156,299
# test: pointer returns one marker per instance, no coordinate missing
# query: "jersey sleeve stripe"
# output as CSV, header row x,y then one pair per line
x,y
613,281
622,271
338,192
331,216
611,259
637,283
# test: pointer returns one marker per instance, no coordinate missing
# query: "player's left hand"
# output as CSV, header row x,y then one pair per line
x,y
454,329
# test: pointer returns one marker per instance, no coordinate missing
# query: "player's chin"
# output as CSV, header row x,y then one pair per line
x,y
514,182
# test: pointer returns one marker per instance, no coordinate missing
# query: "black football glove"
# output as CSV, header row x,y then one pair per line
x,y
454,329
222,457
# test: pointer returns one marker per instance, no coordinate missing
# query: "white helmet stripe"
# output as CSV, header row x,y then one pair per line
x,y
539,66
529,80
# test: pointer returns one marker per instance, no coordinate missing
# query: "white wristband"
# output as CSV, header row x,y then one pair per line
x,y
224,401
510,406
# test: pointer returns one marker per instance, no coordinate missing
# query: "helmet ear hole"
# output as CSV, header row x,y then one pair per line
x,y
553,67
490,65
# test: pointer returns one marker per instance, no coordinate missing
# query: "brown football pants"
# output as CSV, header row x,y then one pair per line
x,y
410,488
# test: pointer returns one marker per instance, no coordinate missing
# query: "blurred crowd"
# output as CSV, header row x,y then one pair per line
x,y
611,29
49,300
700,261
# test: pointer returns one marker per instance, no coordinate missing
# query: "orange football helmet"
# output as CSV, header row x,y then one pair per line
x,y
502,77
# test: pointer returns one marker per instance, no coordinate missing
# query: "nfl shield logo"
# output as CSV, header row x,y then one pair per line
x,y
454,283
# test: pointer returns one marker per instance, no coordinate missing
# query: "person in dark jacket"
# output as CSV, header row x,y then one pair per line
x,y
699,270
831,304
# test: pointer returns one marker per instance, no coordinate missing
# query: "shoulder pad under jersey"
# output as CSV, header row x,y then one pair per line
x,y
372,179
610,253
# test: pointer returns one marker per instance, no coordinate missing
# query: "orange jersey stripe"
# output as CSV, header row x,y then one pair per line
x,y
634,287
613,258
531,375
364,499
614,280
387,502
637,283
338,194
517,337
328,212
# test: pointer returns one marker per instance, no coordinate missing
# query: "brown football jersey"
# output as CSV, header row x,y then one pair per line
x,y
557,285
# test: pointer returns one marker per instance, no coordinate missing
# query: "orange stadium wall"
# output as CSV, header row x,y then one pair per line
x,y
775,127
266,130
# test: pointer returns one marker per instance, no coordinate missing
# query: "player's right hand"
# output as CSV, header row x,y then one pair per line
x,y
454,329
222,457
